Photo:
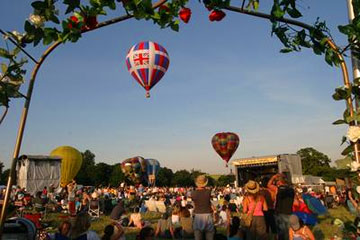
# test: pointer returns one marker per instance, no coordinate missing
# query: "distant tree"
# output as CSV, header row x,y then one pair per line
x,y
4,177
211,181
116,176
1,167
102,173
182,178
225,180
343,163
313,161
87,170
164,177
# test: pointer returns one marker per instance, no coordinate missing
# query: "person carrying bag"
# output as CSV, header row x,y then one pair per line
x,y
253,216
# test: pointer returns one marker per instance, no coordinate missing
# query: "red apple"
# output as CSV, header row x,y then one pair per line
x,y
185,14
216,15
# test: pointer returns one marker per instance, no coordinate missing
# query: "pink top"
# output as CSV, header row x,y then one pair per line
x,y
258,209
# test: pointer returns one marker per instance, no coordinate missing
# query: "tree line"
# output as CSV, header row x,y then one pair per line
x,y
91,173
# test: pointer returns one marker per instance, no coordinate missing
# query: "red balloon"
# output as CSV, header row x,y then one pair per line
x,y
225,144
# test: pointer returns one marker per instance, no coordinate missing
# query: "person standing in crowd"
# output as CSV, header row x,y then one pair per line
x,y
203,221
234,231
71,189
254,203
269,215
299,231
283,204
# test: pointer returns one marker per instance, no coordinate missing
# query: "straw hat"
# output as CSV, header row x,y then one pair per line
x,y
201,181
252,187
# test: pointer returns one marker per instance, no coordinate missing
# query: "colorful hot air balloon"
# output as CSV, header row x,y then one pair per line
x,y
134,169
147,62
152,170
71,160
225,144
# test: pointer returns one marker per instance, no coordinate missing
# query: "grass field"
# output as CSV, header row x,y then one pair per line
x,y
322,231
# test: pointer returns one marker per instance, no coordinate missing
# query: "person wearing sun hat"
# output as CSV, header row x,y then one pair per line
x,y
299,231
203,221
254,204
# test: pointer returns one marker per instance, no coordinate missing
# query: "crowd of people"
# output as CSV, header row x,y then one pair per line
x,y
274,209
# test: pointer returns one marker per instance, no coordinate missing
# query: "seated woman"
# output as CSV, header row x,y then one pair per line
x,y
234,231
135,219
164,228
186,222
80,230
299,231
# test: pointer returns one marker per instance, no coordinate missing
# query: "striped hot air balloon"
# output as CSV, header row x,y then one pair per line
x,y
225,144
147,62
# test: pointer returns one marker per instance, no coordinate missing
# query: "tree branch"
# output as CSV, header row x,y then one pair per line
x,y
4,114
16,44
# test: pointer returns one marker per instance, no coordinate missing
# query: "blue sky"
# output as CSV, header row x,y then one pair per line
x,y
223,76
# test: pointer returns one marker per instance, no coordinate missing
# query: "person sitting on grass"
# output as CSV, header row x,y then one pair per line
x,y
81,231
299,231
186,222
63,231
113,232
234,231
146,233
135,219
164,228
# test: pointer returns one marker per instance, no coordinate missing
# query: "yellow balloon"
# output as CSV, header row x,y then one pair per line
x,y
70,163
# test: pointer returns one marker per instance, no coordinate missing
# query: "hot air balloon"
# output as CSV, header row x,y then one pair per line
x,y
134,169
152,170
147,62
225,144
71,160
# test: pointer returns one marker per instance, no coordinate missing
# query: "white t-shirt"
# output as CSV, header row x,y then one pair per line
x,y
223,216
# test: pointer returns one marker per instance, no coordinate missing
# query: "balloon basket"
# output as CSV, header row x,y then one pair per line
x,y
147,95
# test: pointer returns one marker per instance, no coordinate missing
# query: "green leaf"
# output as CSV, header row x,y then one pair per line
x,y
54,19
340,121
4,68
38,5
286,50
4,53
29,28
294,13
72,5
347,150
276,11
343,140
175,26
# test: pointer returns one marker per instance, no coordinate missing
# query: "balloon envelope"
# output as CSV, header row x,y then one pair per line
x,y
225,144
71,160
147,62
134,168
153,167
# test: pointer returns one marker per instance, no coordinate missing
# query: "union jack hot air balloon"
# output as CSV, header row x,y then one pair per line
x,y
225,144
147,62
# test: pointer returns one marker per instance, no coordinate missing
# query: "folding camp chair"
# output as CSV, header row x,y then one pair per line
x,y
94,209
